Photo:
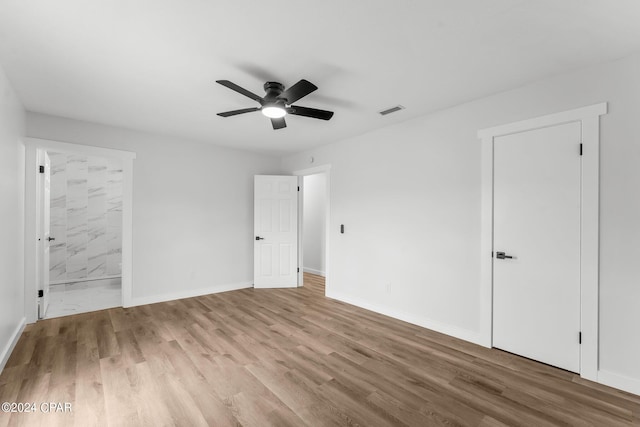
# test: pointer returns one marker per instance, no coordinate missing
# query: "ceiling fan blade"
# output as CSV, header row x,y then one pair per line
x,y
297,91
236,112
310,112
278,123
239,89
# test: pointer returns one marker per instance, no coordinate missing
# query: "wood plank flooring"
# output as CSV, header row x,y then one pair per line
x,y
285,357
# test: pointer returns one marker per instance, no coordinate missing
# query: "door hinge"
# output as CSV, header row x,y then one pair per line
x,y
298,269
41,169
298,188
579,337
581,148
40,293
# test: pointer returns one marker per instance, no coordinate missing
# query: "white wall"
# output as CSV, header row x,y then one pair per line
x,y
314,217
409,196
11,218
192,207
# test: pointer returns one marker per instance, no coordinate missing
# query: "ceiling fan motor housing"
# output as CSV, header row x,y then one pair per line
x,y
273,90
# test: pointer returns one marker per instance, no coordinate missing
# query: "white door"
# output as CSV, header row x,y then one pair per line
x,y
275,231
536,293
46,236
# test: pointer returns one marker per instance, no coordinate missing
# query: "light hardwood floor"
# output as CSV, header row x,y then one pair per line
x,y
287,357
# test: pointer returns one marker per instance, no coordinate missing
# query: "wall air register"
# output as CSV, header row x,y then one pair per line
x,y
391,110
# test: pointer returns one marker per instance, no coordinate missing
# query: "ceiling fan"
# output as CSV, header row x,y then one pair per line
x,y
277,102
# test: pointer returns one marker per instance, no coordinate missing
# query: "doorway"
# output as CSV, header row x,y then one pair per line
x,y
587,120
314,219
314,223
85,214
83,252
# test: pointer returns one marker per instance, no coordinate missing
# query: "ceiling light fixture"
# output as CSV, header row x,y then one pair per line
x,y
277,102
274,111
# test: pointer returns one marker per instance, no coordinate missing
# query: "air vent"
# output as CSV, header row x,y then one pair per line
x,y
391,110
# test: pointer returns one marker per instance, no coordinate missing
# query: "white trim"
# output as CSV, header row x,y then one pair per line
x,y
8,349
312,171
153,299
326,169
31,252
314,271
589,118
126,269
81,149
590,248
423,322
618,381
32,145
575,115
300,230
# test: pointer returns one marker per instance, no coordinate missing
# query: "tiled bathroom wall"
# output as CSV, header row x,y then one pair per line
x,y
86,217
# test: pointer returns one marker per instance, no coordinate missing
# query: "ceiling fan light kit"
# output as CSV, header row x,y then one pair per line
x,y
274,109
277,102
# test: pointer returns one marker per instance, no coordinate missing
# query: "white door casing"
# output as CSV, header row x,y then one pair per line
x,y
536,294
589,119
326,170
275,231
33,220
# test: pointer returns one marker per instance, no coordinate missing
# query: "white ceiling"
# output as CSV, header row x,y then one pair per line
x,y
151,65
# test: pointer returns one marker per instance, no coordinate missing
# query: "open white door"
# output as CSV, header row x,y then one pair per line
x,y
46,236
275,231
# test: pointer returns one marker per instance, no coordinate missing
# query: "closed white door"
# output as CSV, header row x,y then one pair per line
x,y
536,264
46,235
275,231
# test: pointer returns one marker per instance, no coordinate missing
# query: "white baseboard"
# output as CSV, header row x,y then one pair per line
x,y
314,271
463,334
631,385
8,348
189,293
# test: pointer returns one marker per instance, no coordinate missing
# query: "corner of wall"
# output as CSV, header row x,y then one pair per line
x,y
12,174
11,344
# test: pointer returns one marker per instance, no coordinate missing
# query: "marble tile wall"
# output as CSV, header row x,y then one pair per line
x,y
86,217
114,220
58,248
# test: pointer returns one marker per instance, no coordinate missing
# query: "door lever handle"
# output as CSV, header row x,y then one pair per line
x,y
259,238
502,255
51,238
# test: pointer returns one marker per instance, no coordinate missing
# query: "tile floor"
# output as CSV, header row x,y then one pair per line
x,y
81,297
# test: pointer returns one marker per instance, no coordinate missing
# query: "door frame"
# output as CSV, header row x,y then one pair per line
x,y
32,216
326,170
589,119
